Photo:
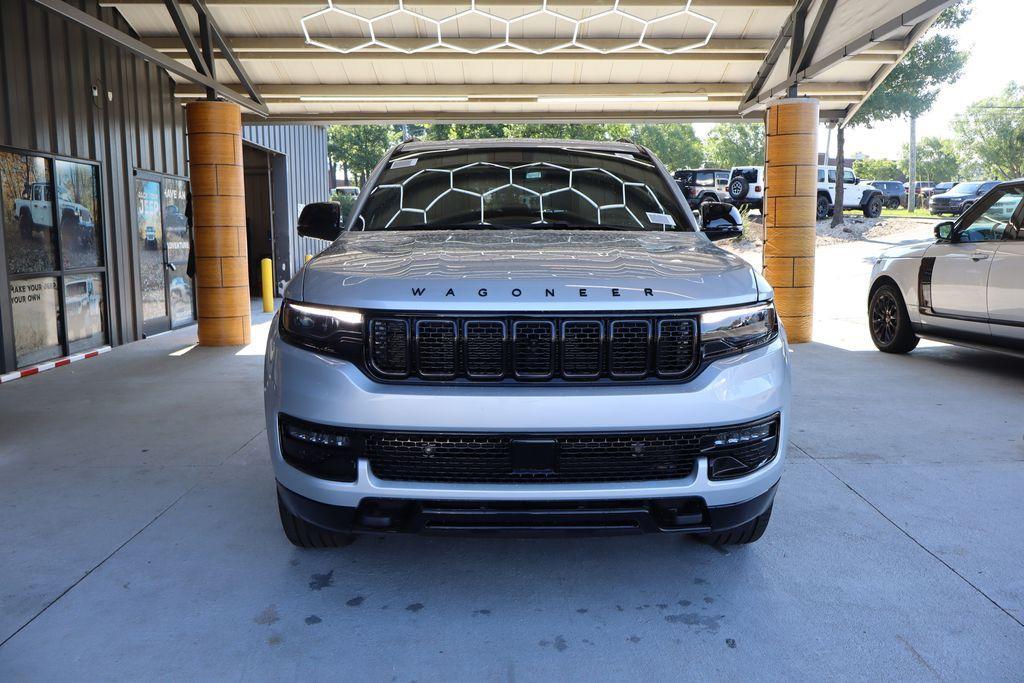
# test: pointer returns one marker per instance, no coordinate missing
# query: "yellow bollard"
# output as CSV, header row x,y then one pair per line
x,y
308,256
268,285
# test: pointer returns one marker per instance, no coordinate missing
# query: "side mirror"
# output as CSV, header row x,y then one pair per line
x,y
720,221
944,231
321,220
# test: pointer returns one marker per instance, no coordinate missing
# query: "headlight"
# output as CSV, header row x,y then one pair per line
x,y
735,330
335,331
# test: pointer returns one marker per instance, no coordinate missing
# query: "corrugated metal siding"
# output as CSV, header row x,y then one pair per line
x,y
48,67
307,167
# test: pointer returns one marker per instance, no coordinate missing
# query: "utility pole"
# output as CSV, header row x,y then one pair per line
x,y
837,210
912,166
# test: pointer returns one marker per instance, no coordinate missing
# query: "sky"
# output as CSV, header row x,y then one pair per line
x,y
992,37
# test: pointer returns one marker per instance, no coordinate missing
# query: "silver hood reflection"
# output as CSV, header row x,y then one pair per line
x,y
537,270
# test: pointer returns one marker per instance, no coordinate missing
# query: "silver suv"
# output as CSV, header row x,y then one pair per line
x,y
527,337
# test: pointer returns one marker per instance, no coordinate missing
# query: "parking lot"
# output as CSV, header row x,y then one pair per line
x,y
141,538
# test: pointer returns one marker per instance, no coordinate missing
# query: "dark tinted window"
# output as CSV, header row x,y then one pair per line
x,y
534,188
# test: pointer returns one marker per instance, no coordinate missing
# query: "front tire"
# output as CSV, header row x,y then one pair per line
x,y
873,209
889,322
741,535
302,534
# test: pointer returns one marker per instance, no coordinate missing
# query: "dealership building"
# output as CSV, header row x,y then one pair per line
x,y
139,136
95,182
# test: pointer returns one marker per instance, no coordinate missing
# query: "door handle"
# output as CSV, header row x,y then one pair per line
x,y
170,266
980,257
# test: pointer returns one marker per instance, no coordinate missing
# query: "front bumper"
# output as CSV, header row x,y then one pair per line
x,y
330,391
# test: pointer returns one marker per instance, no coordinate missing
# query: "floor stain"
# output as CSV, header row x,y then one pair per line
x,y
313,619
582,610
414,607
731,642
559,643
267,616
685,603
275,639
634,639
482,612
699,581
708,599
702,623
318,582
356,601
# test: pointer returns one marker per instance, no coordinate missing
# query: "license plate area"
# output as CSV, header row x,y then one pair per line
x,y
534,456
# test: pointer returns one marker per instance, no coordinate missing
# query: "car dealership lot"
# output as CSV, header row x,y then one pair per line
x,y
141,537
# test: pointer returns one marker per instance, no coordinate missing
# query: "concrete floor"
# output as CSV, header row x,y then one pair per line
x,y
140,539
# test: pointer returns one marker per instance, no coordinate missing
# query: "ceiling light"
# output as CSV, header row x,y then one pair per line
x,y
626,98
385,98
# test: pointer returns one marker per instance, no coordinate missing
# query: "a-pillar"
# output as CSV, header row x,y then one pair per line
x,y
791,178
218,220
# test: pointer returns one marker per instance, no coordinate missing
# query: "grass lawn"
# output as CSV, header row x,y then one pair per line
x,y
903,213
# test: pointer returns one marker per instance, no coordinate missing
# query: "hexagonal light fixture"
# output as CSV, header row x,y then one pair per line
x,y
506,42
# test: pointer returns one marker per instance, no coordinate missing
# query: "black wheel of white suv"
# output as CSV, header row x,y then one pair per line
x,y
873,208
888,321
305,535
823,207
741,535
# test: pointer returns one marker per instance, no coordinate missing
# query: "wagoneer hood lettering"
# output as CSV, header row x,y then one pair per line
x,y
472,270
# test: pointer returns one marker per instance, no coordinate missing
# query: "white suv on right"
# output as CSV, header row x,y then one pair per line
x,y
856,195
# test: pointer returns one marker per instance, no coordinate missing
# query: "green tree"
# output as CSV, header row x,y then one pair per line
x,y
911,88
735,144
937,160
463,131
360,147
676,144
878,169
569,131
990,134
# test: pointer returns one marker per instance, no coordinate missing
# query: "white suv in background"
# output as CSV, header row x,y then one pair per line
x,y
746,186
856,195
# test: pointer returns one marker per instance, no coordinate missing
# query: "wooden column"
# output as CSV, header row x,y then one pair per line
x,y
218,219
791,178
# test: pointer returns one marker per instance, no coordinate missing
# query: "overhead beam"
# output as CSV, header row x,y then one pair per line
x,y
207,20
274,44
188,43
514,91
554,4
922,12
803,59
122,39
776,50
359,118
912,19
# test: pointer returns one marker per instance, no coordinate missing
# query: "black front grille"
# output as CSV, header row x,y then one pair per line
x,y
533,348
581,458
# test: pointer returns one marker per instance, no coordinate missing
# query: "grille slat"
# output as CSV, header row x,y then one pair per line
x,y
533,348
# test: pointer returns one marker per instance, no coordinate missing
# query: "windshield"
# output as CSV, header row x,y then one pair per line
x,y
527,187
966,188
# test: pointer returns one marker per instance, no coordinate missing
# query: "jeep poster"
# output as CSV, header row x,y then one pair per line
x,y
27,213
33,304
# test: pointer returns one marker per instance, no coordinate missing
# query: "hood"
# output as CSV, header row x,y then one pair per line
x,y
480,270
916,250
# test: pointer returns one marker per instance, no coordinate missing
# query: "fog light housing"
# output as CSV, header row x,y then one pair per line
x,y
740,450
322,451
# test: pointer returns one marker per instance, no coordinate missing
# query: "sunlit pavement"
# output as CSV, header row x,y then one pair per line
x,y
140,538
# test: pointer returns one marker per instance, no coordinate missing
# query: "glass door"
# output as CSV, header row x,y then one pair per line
x,y
149,225
177,245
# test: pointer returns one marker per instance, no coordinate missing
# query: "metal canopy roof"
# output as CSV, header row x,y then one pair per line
x,y
512,60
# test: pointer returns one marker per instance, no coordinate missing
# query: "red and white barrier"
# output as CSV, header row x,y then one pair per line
x,y
49,365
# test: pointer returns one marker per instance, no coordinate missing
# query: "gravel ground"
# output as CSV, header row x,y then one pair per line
x,y
855,228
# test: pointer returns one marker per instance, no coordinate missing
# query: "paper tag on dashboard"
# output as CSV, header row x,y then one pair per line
x,y
661,219
404,163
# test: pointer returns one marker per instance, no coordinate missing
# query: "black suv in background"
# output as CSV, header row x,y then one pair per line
x,y
893,195
962,197
701,185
